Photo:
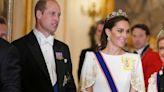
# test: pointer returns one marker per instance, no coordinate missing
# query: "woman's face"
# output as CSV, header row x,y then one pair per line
x,y
161,49
119,33
99,29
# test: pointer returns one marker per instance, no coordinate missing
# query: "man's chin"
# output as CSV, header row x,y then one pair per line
x,y
52,33
137,47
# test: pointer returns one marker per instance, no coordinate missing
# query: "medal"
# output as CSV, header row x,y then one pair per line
x,y
59,55
65,80
161,72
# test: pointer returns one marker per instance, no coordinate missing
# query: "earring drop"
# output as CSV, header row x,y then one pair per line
x,y
108,38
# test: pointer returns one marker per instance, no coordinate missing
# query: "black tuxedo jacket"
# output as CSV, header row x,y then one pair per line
x,y
35,76
9,68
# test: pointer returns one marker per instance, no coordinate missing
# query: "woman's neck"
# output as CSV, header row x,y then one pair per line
x,y
113,50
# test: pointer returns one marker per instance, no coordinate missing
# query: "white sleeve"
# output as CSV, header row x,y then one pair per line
x,y
137,78
152,83
88,72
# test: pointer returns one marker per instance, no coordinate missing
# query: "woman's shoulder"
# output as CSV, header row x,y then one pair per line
x,y
90,52
90,56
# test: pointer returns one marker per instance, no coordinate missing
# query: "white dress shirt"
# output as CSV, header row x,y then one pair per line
x,y
139,51
46,45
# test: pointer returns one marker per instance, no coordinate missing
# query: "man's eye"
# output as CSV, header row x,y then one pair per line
x,y
52,13
59,15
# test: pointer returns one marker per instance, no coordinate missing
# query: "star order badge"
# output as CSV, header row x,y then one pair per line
x,y
65,80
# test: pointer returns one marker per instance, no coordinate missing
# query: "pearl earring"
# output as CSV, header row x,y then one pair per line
x,y
108,38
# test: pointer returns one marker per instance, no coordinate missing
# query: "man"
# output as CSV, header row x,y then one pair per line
x,y
3,28
150,60
9,68
45,61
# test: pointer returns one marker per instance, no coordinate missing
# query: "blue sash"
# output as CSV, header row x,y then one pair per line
x,y
56,87
106,72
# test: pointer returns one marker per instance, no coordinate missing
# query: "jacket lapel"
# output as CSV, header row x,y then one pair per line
x,y
145,50
60,65
36,52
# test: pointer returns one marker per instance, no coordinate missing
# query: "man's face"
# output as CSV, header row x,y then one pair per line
x,y
49,19
139,38
3,31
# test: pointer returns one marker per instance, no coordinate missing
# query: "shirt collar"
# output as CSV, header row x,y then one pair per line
x,y
42,39
139,51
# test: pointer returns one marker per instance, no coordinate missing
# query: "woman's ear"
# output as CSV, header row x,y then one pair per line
x,y
107,31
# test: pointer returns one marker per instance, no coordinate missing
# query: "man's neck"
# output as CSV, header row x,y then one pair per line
x,y
141,50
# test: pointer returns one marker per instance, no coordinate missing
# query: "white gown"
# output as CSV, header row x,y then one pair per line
x,y
126,71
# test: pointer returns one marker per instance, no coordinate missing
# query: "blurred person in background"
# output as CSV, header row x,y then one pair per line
x,y
10,79
3,28
95,36
156,81
150,60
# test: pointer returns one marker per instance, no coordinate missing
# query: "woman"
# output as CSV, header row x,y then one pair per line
x,y
156,81
112,69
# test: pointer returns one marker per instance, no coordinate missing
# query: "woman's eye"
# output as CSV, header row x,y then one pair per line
x,y
120,30
127,31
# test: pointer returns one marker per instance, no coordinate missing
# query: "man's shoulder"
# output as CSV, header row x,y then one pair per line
x,y
151,52
19,41
151,55
3,43
23,39
6,47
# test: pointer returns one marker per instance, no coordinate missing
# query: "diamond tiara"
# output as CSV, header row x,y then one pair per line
x,y
115,14
161,33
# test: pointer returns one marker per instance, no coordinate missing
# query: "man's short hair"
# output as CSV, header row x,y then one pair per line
x,y
143,27
2,20
40,5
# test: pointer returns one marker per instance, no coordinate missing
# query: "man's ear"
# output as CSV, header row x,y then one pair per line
x,y
38,14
